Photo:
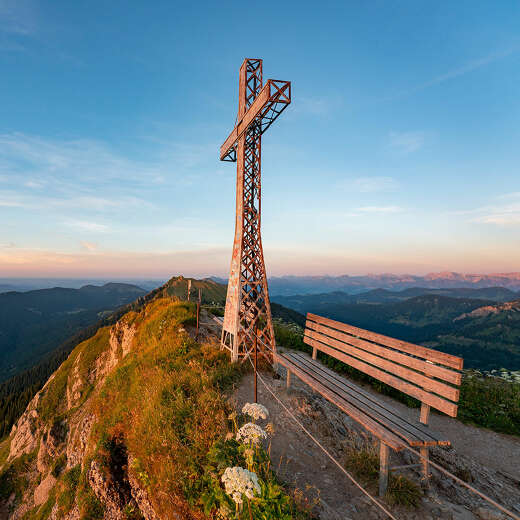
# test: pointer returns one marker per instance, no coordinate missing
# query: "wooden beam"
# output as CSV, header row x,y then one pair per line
x,y
432,385
437,402
421,365
383,469
372,426
416,350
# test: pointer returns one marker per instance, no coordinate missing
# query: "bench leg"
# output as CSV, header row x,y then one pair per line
x,y
288,379
383,469
425,464
314,353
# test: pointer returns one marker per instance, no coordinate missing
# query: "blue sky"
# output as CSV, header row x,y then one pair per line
x,y
399,153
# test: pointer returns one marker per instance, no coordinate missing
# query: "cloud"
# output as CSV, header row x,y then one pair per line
x,y
370,184
379,209
85,225
17,17
316,106
505,213
406,142
88,246
453,73
468,67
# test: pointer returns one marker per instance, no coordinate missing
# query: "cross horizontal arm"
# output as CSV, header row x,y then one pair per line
x,y
268,105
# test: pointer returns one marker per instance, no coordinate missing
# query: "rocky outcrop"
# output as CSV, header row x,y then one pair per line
x,y
62,442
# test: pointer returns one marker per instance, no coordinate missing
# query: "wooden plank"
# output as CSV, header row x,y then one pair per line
x,y
439,403
357,390
416,350
443,373
372,426
407,374
394,423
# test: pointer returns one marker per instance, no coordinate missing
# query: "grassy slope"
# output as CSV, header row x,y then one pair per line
x,y
165,406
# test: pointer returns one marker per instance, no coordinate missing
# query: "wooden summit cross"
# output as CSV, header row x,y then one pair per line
x,y
248,311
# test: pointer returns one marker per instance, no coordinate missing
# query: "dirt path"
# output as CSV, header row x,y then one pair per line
x,y
300,463
495,450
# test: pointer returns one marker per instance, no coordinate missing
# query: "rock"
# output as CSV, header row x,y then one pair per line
x,y
106,492
460,513
486,513
41,493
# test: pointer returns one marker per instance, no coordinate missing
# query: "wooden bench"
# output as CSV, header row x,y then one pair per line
x,y
430,376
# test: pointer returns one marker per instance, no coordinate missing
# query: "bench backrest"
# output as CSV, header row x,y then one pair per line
x,y
430,376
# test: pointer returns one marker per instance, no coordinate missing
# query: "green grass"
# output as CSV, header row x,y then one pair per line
x,y
363,461
165,406
14,479
490,402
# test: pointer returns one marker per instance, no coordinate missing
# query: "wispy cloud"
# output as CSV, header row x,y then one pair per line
x,y
88,246
406,142
370,184
505,212
467,67
316,105
379,209
83,225
17,17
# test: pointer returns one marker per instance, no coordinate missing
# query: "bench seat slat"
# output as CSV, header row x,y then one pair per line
x,y
422,427
435,401
432,370
372,426
426,353
414,432
421,380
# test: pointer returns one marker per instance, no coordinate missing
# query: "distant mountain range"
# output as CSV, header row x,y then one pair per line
x,y
33,284
34,323
289,285
377,296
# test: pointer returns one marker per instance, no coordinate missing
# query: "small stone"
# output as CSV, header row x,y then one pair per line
x,y
485,513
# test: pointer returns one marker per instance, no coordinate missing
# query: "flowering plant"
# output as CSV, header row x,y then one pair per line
x,y
256,411
239,481
250,433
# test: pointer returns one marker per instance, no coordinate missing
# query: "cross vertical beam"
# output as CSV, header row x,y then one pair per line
x,y
248,311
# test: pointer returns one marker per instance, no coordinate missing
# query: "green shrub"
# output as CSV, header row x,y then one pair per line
x,y
59,465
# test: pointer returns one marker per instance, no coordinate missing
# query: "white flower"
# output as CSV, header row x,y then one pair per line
x,y
256,411
251,432
239,481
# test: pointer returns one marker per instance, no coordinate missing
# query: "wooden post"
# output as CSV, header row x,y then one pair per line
x,y
383,469
425,413
288,378
425,452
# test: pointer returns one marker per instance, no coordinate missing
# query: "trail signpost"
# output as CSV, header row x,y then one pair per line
x,y
247,303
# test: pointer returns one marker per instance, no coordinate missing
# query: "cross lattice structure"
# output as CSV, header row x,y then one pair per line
x,y
248,311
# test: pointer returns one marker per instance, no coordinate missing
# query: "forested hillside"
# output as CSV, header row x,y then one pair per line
x,y
34,323
486,340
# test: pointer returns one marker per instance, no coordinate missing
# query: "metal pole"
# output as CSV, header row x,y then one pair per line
x,y
198,315
256,361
